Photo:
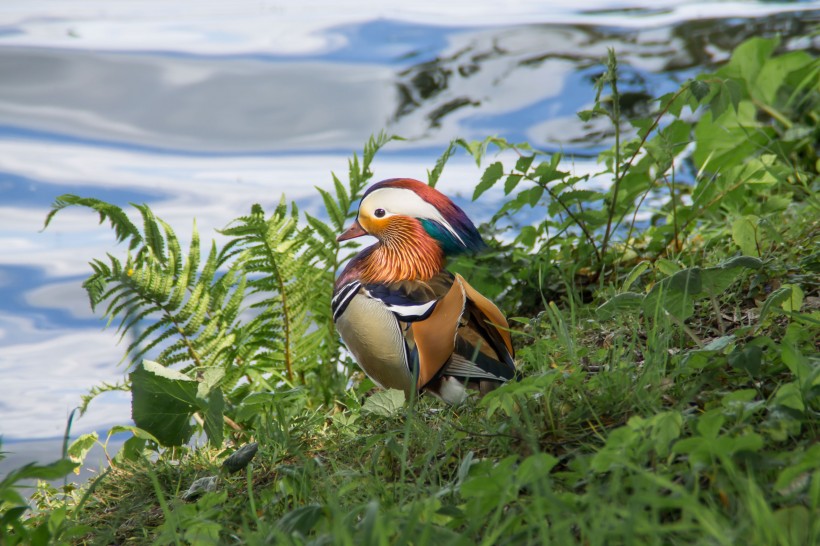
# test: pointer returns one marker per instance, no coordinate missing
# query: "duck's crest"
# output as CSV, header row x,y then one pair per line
x,y
453,229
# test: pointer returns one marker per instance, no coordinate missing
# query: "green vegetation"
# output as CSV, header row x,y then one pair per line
x,y
672,377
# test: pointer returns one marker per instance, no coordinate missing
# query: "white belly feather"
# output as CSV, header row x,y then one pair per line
x,y
372,333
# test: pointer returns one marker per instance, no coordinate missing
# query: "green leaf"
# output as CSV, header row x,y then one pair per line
x,y
464,467
677,294
774,72
527,236
385,403
741,261
633,275
152,233
535,469
745,235
797,523
511,182
643,125
619,448
710,423
580,196
620,303
132,449
475,148
12,514
796,361
788,395
699,89
533,195
666,428
715,280
794,301
433,176
210,378
749,57
134,446
776,298
727,142
254,404
334,211
490,482
213,416
164,400
301,520
667,267
546,172
747,358
136,431
688,281
807,461
491,175
718,344
586,115
51,471
80,447
672,104
523,164
709,356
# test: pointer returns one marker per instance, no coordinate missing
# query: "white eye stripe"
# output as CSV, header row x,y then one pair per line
x,y
406,202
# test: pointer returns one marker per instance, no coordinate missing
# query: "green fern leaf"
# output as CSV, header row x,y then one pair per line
x,y
152,233
123,227
337,216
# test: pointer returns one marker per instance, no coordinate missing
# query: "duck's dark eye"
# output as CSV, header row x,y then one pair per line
x,y
379,213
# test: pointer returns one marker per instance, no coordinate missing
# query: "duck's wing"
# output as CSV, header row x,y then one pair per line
x,y
464,335
483,348
410,301
489,323
342,297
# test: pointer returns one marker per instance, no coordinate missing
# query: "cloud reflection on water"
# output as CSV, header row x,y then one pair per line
x,y
44,372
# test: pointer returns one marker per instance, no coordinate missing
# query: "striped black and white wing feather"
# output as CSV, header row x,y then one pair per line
x,y
408,305
343,297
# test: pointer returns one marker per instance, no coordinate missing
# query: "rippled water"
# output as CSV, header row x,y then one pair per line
x,y
201,109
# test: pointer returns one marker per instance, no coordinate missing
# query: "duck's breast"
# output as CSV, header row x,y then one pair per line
x,y
374,336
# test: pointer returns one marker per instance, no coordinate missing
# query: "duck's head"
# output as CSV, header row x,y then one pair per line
x,y
398,210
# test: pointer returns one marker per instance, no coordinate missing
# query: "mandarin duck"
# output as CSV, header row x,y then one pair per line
x,y
409,323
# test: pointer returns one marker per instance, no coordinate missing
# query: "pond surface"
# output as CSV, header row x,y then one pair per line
x,y
201,110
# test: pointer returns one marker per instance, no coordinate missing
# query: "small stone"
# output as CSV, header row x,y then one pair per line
x,y
200,487
240,459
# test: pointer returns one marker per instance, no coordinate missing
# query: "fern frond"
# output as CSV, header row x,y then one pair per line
x,y
97,390
334,211
160,280
138,348
122,225
152,234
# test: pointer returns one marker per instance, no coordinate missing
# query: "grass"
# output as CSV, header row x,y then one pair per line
x,y
624,431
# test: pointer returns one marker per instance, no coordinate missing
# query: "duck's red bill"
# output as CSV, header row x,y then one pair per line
x,y
356,230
